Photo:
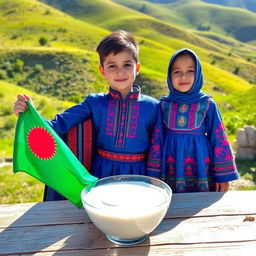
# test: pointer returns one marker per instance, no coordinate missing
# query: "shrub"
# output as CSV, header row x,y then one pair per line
x,y
6,110
3,75
236,71
10,122
39,68
15,36
7,65
43,40
18,65
42,103
47,12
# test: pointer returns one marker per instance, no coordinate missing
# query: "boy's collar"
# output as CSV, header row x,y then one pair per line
x,y
134,95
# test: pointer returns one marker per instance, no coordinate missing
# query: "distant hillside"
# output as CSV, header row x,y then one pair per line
x,y
76,34
30,23
47,50
195,14
245,4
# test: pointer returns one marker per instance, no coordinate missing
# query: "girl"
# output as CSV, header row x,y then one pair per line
x,y
197,155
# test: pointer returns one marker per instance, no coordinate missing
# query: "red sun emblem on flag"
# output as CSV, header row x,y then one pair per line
x,y
41,143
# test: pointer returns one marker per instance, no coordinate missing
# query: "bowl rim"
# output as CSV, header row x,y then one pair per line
x,y
133,176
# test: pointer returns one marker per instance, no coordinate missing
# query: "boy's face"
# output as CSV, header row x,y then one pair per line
x,y
183,73
120,71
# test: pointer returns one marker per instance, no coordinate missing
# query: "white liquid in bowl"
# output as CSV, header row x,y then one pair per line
x,y
126,210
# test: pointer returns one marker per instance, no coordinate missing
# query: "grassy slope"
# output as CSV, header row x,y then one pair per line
x,y
28,20
235,22
150,28
157,41
96,12
19,187
112,16
104,12
245,4
46,106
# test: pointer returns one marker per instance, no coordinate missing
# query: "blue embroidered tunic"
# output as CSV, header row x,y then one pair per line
x,y
196,151
125,130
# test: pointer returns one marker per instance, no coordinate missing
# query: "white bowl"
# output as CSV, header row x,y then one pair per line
x,y
127,208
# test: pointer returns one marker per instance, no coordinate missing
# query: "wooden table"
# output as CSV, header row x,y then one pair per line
x,y
196,224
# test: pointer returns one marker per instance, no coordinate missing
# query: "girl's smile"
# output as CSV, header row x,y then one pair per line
x,y
183,73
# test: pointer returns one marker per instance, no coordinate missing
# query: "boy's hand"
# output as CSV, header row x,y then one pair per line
x,y
20,105
222,186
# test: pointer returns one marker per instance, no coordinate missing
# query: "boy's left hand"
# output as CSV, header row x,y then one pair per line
x,y
222,186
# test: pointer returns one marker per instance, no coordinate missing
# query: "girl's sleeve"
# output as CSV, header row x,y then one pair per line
x,y
154,160
70,117
223,162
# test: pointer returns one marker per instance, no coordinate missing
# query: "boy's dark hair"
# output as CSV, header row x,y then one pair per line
x,y
117,42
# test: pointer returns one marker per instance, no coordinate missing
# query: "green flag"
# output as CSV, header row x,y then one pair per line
x,y
40,152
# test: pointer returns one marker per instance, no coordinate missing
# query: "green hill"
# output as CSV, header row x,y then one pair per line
x,y
195,14
46,106
48,47
28,21
245,4
105,15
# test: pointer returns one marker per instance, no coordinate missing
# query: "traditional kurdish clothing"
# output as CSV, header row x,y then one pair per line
x,y
196,150
124,130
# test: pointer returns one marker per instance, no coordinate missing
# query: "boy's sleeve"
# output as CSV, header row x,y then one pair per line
x,y
223,162
154,160
70,117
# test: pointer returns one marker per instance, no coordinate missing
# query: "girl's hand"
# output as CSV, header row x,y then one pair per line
x,y
222,186
20,105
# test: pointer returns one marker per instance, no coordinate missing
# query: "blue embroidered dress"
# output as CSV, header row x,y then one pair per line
x,y
196,150
126,132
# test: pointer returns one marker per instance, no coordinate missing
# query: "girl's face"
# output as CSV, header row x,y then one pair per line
x,y
183,73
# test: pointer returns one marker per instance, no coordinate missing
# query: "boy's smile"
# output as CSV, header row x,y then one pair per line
x,y
120,71
183,73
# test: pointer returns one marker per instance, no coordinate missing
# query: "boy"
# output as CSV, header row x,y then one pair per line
x,y
125,121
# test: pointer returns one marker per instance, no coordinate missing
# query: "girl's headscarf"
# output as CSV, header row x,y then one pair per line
x,y
194,95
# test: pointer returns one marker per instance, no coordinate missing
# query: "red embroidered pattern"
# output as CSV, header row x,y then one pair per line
x,y
122,123
189,165
192,116
114,95
87,144
83,154
172,115
133,119
111,126
179,119
72,140
121,157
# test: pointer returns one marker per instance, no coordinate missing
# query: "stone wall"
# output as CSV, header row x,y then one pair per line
x,y
246,143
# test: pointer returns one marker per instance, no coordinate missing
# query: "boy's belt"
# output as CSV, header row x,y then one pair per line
x,y
120,156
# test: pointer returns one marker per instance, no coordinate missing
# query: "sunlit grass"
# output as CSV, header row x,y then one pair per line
x,y
19,187
46,106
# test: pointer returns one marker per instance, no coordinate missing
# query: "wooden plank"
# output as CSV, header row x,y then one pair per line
x,y
182,205
234,249
212,203
201,230
46,213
